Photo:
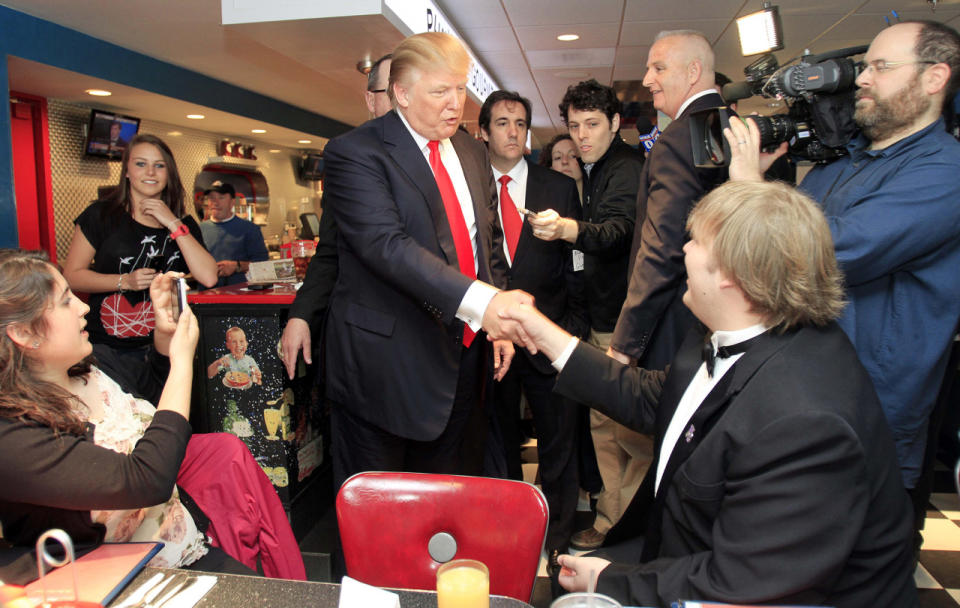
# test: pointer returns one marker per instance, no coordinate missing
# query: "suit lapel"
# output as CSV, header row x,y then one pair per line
x,y
403,150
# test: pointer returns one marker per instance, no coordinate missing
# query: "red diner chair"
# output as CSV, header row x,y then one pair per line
x,y
398,528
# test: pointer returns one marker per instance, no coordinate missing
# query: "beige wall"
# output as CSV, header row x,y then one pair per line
x,y
75,177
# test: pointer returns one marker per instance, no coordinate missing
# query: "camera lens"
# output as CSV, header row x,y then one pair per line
x,y
775,129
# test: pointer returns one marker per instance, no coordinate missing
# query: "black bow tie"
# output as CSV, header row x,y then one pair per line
x,y
710,357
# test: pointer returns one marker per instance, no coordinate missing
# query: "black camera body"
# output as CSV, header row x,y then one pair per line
x,y
820,93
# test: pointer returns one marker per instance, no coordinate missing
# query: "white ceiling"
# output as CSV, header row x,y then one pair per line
x,y
310,64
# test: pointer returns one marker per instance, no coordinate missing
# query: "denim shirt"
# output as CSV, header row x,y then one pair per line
x,y
895,218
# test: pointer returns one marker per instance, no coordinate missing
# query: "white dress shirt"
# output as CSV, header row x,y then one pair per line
x,y
697,391
517,187
691,99
479,294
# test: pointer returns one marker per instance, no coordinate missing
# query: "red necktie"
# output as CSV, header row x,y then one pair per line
x,y
461,236
512,223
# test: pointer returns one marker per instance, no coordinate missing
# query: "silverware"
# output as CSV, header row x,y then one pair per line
x,y
136,596
153,593
169,594
187,584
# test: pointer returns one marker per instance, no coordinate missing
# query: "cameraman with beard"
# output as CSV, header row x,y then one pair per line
x,y
893,205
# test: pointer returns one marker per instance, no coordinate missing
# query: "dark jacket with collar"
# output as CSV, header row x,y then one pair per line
x,y
545,268
654,318
604,234
784,488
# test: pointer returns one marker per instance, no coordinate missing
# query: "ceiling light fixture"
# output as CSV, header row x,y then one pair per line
x,y
258,130
275,151
196,116
760,32
174,133
98,92
304,141
365,65
568,37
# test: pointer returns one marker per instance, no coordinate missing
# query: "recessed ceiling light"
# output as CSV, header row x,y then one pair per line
x,y
568,37
98,93
174,133
304,141
196,116
258,130
275,151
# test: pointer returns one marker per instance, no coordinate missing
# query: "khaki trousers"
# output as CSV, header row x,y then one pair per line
x,y
623,457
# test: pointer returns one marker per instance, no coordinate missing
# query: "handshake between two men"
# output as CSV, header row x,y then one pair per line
x,y
511,318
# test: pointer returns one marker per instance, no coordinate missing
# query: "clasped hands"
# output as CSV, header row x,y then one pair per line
x,y
511,315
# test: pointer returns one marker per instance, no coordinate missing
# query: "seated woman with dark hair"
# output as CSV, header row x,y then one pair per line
x,y
81,453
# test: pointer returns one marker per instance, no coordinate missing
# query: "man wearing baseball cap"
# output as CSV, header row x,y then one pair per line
x,y
233,241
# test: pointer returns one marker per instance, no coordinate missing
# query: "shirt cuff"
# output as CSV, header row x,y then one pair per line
x,y
562,359
474,304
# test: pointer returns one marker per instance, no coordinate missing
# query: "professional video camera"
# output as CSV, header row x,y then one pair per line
x,y
819,92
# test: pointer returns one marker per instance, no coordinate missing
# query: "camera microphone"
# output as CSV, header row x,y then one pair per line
x,y
735,91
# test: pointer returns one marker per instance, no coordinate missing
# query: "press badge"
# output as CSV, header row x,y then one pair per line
x,y
577,260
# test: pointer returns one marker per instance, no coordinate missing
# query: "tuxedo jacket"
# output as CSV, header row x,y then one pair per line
x,y
545,268
393,343
783,488
654,320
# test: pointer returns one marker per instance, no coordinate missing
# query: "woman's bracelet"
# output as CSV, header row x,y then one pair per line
x,y
120,284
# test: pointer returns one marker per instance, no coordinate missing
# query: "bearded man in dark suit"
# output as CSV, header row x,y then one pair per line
x,y
775,479
421,262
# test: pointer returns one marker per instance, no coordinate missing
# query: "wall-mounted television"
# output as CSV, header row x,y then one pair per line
x,y
311,167
108,134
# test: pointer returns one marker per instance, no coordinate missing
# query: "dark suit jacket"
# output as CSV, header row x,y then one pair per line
x,y
609,213
784,490
393,343
314,295
654,317
545,268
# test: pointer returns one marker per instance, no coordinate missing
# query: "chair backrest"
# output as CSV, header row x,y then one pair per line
x,y
397,529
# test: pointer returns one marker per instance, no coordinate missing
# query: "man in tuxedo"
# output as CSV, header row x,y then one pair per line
x,y
421,259
775,479
545,270
654,320
306,312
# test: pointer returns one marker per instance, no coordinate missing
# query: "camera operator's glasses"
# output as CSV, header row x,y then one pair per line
x,y
881,66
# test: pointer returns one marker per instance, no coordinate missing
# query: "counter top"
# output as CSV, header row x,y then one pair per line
x,y
279,293
235,591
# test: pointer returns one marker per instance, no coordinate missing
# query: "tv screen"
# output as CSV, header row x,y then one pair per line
x,y
108,134
311,168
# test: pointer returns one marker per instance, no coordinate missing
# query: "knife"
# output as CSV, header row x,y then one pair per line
x,y
136,596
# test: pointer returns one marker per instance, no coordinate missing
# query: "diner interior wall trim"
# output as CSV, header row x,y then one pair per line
x,y
76,177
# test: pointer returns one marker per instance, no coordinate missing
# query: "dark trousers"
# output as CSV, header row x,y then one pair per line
x,y
360,445
555,421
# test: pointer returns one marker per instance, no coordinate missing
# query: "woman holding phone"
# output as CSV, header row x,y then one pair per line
x,y
82,453
122,242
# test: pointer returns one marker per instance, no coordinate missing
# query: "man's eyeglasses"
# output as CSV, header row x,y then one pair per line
x,y
881,66
376,90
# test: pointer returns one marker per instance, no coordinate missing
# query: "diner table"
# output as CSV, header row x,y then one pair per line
x,y
239,591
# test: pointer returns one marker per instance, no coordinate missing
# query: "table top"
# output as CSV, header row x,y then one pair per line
x,y
240,293
237,591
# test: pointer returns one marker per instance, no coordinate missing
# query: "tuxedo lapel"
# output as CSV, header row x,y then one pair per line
x,y
404,152
716,403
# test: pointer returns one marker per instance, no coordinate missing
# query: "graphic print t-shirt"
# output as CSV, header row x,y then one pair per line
x,y
125,320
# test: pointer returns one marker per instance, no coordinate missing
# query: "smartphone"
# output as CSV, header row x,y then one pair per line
x,y
526,212
179,297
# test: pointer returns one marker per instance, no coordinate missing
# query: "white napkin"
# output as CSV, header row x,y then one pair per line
x,y
354,594
188,597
